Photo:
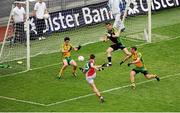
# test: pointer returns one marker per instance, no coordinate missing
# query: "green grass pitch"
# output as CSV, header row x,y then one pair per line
x,y
39,89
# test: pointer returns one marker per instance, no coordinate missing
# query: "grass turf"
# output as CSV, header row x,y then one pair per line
x,y
42,86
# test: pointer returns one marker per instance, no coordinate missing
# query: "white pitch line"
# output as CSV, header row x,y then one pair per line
x,y
22,101
109,90
13,74
80,97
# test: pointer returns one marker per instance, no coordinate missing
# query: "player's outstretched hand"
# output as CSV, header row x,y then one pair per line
x,y
79,47
121,62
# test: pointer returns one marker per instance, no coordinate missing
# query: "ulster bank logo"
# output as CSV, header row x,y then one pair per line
x,y
133,7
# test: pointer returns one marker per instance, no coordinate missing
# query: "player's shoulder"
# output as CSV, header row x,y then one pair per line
x,y
37,3
15,8
91,61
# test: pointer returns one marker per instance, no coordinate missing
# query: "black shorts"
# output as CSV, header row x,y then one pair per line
x,y
117,46
19,28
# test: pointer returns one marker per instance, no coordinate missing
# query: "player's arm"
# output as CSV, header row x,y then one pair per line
x,y
97,67
46,10
12,16
134,62
24,15
35,9
104,38
125,59
76,48
117,33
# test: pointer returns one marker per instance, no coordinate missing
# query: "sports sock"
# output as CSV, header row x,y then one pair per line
x,y
109,60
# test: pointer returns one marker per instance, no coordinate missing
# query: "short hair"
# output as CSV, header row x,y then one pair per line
x,y
66,38
108,23
92,56
134,47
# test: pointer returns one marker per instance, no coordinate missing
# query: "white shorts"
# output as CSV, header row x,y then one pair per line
x,y
90,79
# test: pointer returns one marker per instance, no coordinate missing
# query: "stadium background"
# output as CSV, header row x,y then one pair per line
x,y
40,90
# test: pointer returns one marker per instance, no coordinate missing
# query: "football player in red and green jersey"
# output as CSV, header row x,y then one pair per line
x,y
90,72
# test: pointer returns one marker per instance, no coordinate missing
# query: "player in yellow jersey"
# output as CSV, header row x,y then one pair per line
x,y
139,67
66,51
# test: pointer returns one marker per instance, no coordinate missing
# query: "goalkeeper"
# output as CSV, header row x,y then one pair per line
x,y
66,52
113,35
140,68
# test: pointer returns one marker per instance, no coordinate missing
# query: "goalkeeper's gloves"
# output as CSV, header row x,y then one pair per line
x,y
79,47
108,35
129,64
121,62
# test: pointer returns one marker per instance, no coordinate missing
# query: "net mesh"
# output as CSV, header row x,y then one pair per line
x,y
15,48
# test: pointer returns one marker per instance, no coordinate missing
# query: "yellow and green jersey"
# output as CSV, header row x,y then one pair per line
x,y
67,48
135,57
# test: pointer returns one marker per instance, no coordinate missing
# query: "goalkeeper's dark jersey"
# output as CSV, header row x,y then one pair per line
x,y
114,39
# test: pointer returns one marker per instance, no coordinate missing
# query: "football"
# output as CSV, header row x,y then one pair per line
x,y
80,58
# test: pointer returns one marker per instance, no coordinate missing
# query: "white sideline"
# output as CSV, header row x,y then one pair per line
x,y
80,97
109,90
13,74
22,101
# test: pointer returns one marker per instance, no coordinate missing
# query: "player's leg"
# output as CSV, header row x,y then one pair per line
x,y
150,76
43,24
74,64
22,36
38,26
17,32
94,88
132,79
118,23
125,50
65,64
109,56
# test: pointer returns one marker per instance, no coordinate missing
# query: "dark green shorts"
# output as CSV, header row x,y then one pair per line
x,y
68,59
140,70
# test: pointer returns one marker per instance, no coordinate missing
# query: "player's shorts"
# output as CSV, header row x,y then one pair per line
x,y
142,70
117,46
90,79
68,59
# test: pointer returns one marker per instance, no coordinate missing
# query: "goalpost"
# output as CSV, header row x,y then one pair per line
x,y
15,48
19,54
146,35
149,21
